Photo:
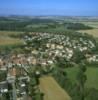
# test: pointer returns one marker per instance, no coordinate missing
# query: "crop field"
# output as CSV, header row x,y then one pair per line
x,y
92,76
7,33
93,32
52,90
5,38
9,41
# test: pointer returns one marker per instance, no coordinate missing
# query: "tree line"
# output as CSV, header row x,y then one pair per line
x,y
10,24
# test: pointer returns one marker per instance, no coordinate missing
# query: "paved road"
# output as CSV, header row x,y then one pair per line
x,y
52,90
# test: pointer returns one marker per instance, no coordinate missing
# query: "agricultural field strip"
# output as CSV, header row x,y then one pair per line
x,y
52,90
5,38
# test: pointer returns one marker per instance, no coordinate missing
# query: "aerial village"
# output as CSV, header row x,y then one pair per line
x,y
42,49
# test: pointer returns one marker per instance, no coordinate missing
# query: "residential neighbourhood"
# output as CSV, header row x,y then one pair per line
x,y
42,49
48,49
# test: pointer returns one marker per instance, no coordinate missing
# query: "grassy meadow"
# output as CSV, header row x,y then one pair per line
x,y
92,76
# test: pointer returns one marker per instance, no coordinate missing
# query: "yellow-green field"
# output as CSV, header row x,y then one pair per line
x,y
9,41
7,33
93,32
52,90
5,38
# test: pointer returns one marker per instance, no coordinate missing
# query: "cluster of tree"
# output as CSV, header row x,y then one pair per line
x,y
7,49
81,79
92,64
77,90
77,26
3,75
19,35
92,94
13,24
20,25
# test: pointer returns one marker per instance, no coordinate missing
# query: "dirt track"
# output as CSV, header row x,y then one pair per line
x,y
52,90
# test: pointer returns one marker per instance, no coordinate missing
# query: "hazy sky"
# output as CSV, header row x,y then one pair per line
x,y
49,7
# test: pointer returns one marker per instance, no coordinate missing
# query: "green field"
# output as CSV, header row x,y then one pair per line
x,y
93,24
92,76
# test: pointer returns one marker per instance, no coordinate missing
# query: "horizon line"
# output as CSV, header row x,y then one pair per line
x,y
48,15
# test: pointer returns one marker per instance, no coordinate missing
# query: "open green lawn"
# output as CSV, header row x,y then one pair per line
x,y
92,76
